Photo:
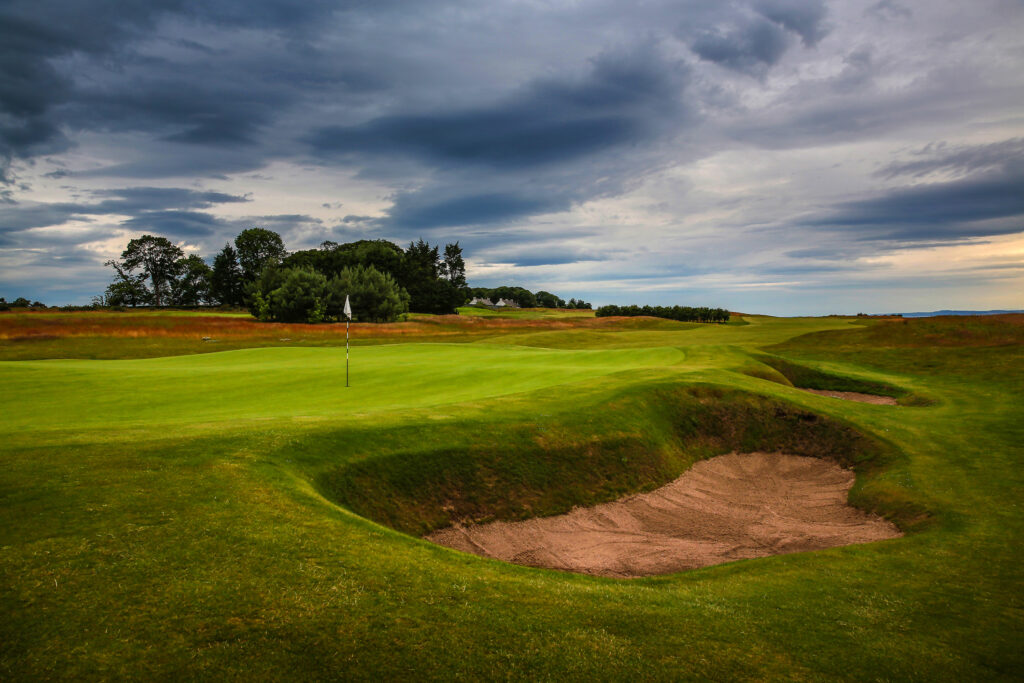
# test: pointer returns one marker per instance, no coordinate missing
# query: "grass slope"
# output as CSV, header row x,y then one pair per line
x,y
166,518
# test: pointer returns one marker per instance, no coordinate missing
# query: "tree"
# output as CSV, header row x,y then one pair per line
x,y
127,290
331,258
548,300
420,272
453,267
258,291
301,297
193,286
226,284
158,260
374,296
258,247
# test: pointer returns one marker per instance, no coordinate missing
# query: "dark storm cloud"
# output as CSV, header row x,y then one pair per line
x,y
38,98
935,211
529,146
32,35
623,100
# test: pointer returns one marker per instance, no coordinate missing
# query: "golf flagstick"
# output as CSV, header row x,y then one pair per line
x,y
348,318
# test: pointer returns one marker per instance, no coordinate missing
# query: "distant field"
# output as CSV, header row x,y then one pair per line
x,y
179,508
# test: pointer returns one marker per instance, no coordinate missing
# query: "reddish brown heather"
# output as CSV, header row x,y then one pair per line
x,y
41,325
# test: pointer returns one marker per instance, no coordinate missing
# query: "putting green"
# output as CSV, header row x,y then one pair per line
x,y
290,382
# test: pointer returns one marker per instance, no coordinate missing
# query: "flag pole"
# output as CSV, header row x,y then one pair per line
x,y
348,319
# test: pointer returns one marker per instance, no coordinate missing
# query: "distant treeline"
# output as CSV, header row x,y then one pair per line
x,y
699,314
524,298
20,302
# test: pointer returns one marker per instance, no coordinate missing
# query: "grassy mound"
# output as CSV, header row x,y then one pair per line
x,y
803,377
527,475
969,331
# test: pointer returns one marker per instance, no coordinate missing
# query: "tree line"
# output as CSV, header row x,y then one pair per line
x,y
700,314
382,280
524,298
20,302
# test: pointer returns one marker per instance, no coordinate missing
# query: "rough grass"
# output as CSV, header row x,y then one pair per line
x,y
147,334
164,518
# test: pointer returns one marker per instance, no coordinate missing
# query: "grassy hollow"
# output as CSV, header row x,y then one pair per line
x,y
528,474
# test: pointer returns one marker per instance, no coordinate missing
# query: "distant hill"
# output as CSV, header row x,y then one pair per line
x,y
934,313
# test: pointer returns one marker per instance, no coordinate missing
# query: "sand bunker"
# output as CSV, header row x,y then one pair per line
x,y
854,396
732,507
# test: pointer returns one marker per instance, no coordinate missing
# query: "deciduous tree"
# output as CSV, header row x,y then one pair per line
x,y
157,261
192,287
258,247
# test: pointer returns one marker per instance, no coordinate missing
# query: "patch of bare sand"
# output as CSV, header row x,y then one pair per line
x,y
855,396
731,507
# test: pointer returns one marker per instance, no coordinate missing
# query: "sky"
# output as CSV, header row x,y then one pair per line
x,y
787,157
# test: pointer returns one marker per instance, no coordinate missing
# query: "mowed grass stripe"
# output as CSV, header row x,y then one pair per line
x,y
288,382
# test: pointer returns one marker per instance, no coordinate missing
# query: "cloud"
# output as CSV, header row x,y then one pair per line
x,y
147,205
749,48
421,210
752,42
958,159
513,127
33,36
804,17
957,209
890,9
133,199
621,101
176,224
46,46
542,254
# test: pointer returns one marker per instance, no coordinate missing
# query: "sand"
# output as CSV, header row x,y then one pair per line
x,y
731,507
855,396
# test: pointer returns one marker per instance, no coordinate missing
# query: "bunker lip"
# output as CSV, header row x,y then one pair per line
x,y
874,399
731,507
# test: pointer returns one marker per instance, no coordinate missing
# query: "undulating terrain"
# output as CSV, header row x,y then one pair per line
x,y
199,496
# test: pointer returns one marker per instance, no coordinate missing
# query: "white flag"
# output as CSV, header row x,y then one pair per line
x,y
348,309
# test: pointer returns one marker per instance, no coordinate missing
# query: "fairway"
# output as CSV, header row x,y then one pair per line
x,y
243,514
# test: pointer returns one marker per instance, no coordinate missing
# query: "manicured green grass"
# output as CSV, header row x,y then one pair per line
x,y
179,517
